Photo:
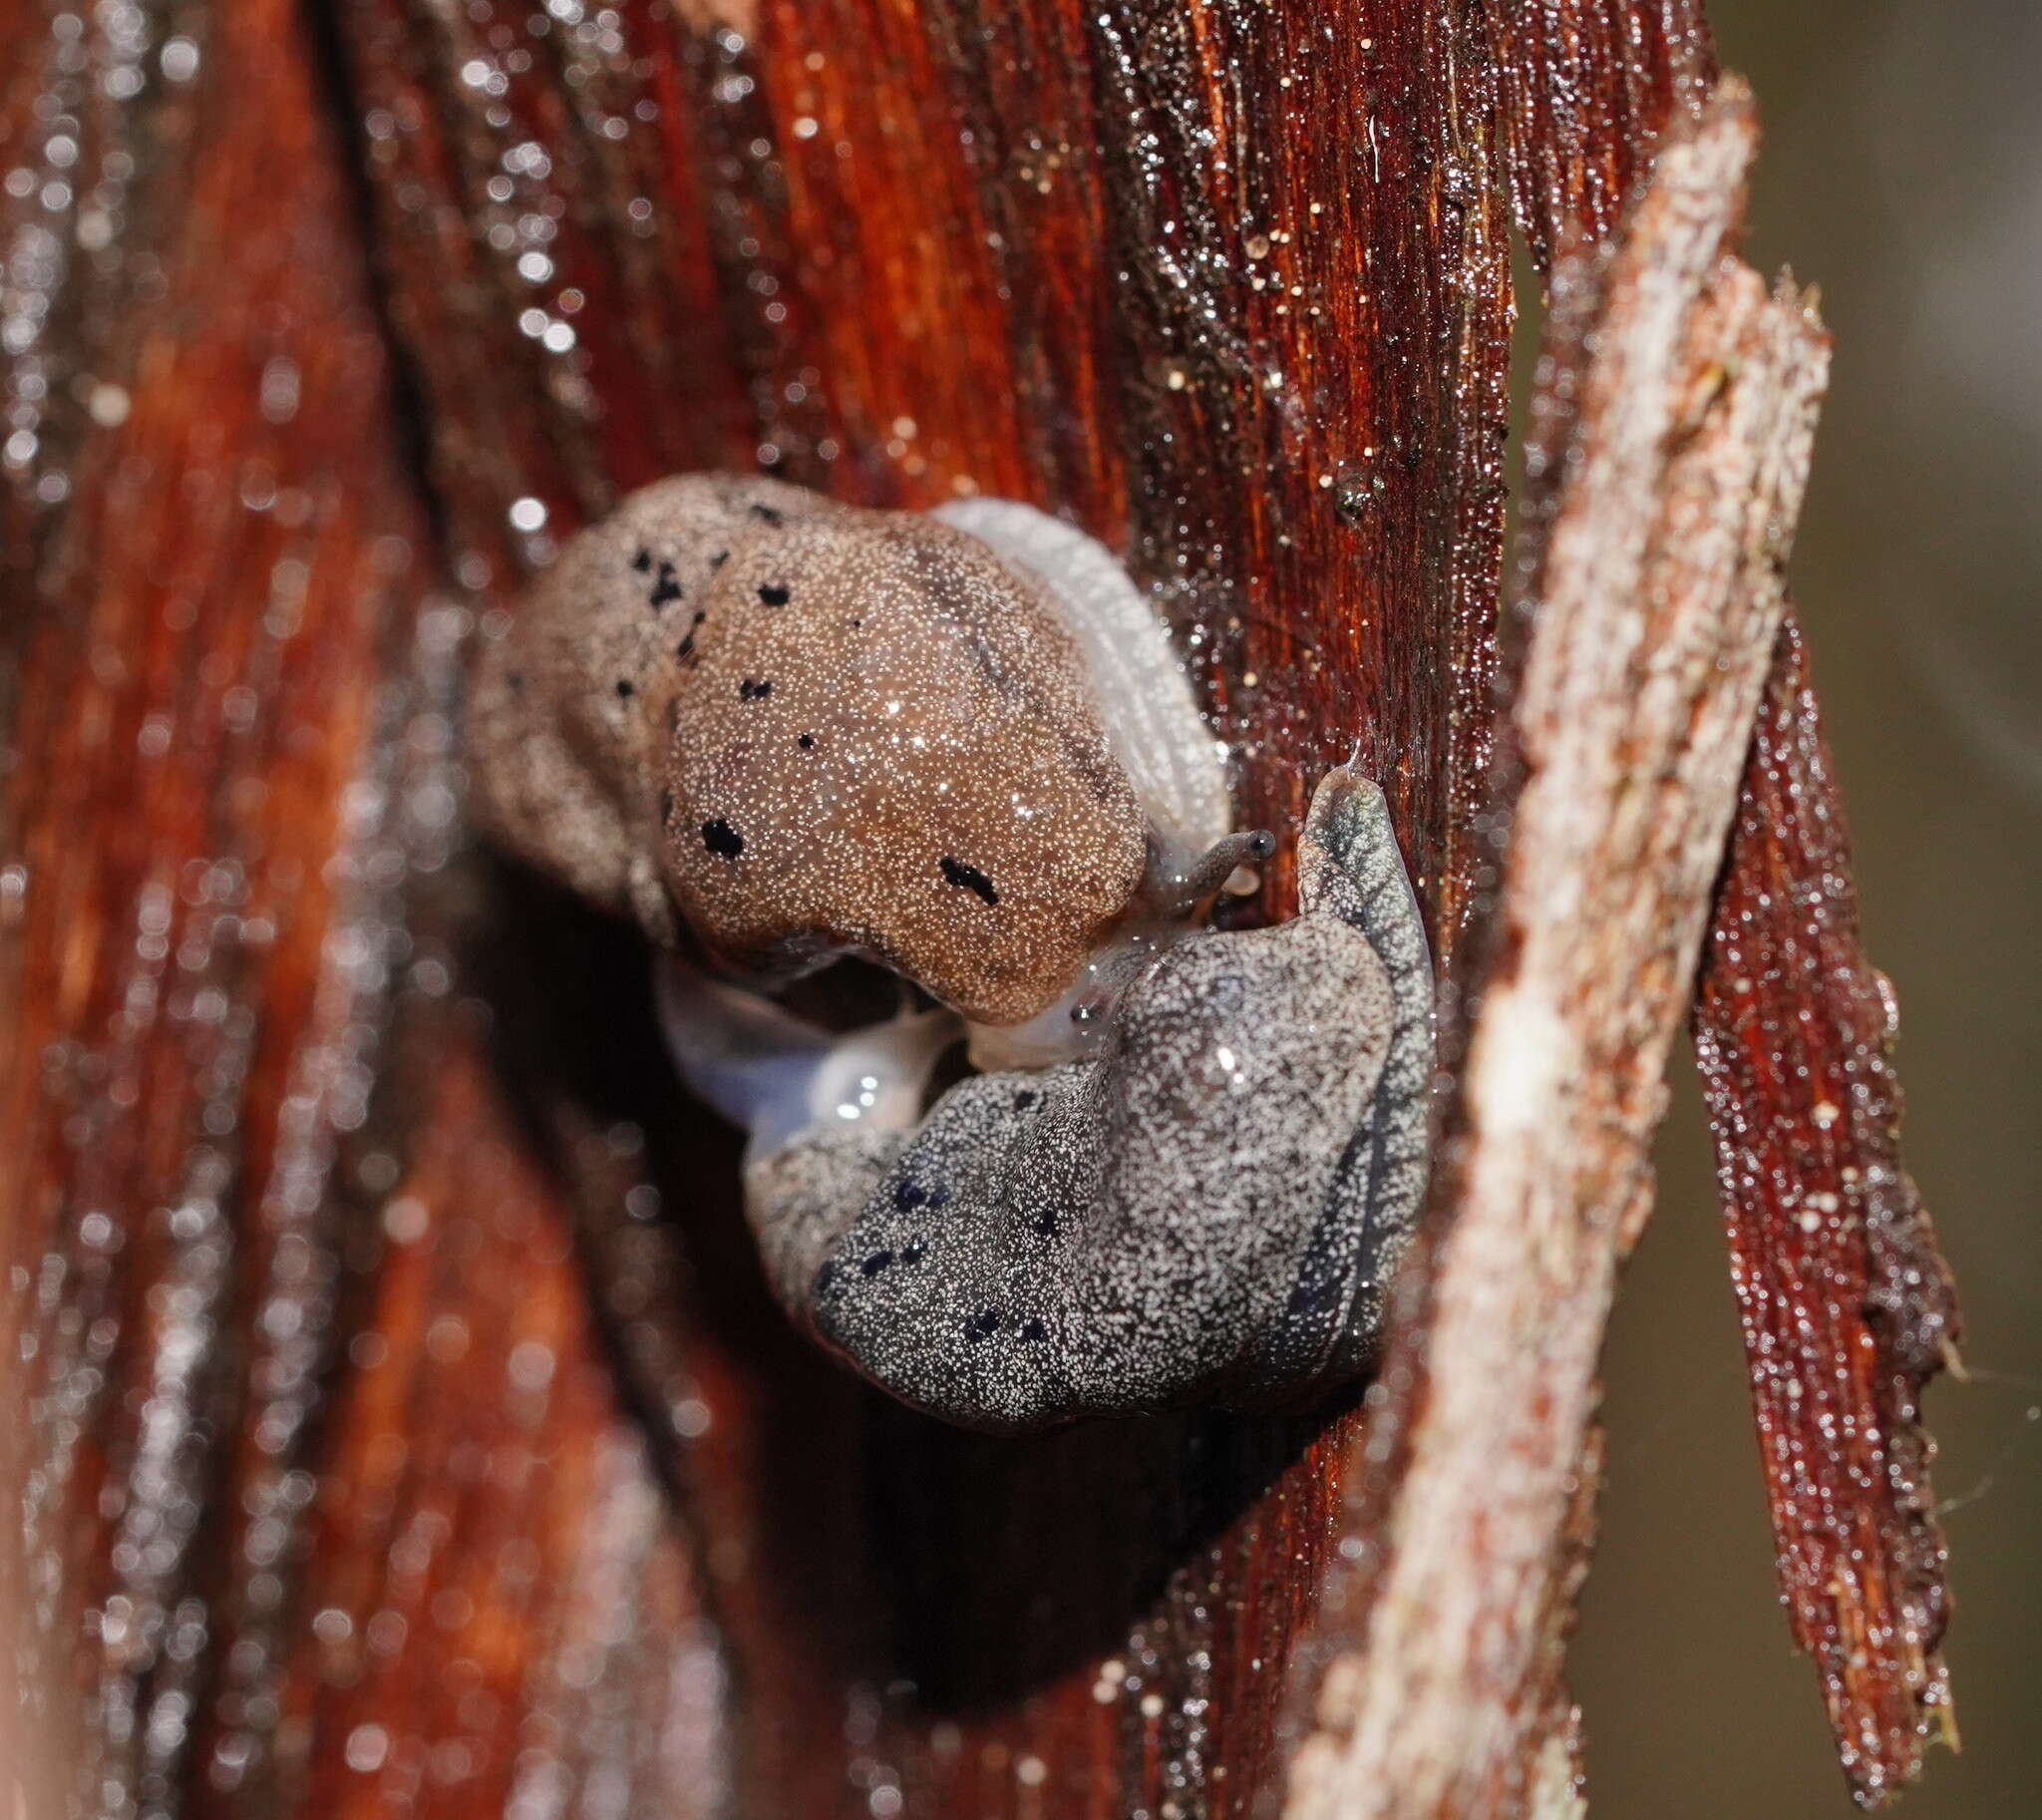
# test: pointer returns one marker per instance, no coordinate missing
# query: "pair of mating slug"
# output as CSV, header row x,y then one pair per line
x,y
777,730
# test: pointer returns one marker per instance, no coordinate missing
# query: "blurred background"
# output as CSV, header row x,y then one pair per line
x,y
1902,174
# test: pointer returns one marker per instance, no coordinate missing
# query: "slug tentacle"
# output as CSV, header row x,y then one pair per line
x,y
1184,888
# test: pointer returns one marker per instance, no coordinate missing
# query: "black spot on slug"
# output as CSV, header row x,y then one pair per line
x,y
969,877
1024,1099
666,587
980,1325
1032,1329
642,561
666,808
914,1252
775,593
826,1279
909,1194
939,1196
625,688
748,690
876,1263
771,515
1046,1223
719,559
722,840
806,742
517,682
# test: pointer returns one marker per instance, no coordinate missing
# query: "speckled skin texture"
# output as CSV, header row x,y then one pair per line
x,y
812,728
799,728
1210,1214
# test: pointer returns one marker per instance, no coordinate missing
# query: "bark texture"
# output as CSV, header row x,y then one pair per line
x,y
1846,1304
1672,431
214,571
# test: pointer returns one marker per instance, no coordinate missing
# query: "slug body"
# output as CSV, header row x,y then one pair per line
x,y
777,730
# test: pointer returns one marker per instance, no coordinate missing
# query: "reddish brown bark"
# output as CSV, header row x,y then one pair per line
x,y
411,1507
1845,1318
213,569
1846,1304
935,307
1104,262
1587,88
1675,410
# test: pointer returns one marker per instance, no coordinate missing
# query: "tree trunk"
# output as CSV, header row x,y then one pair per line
x,y
409,1424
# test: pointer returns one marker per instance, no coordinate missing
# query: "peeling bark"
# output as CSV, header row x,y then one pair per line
x,y
1846,1304
1671,438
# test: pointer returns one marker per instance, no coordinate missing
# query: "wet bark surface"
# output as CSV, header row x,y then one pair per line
x,y
411,1428
1846,1305
1672,427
